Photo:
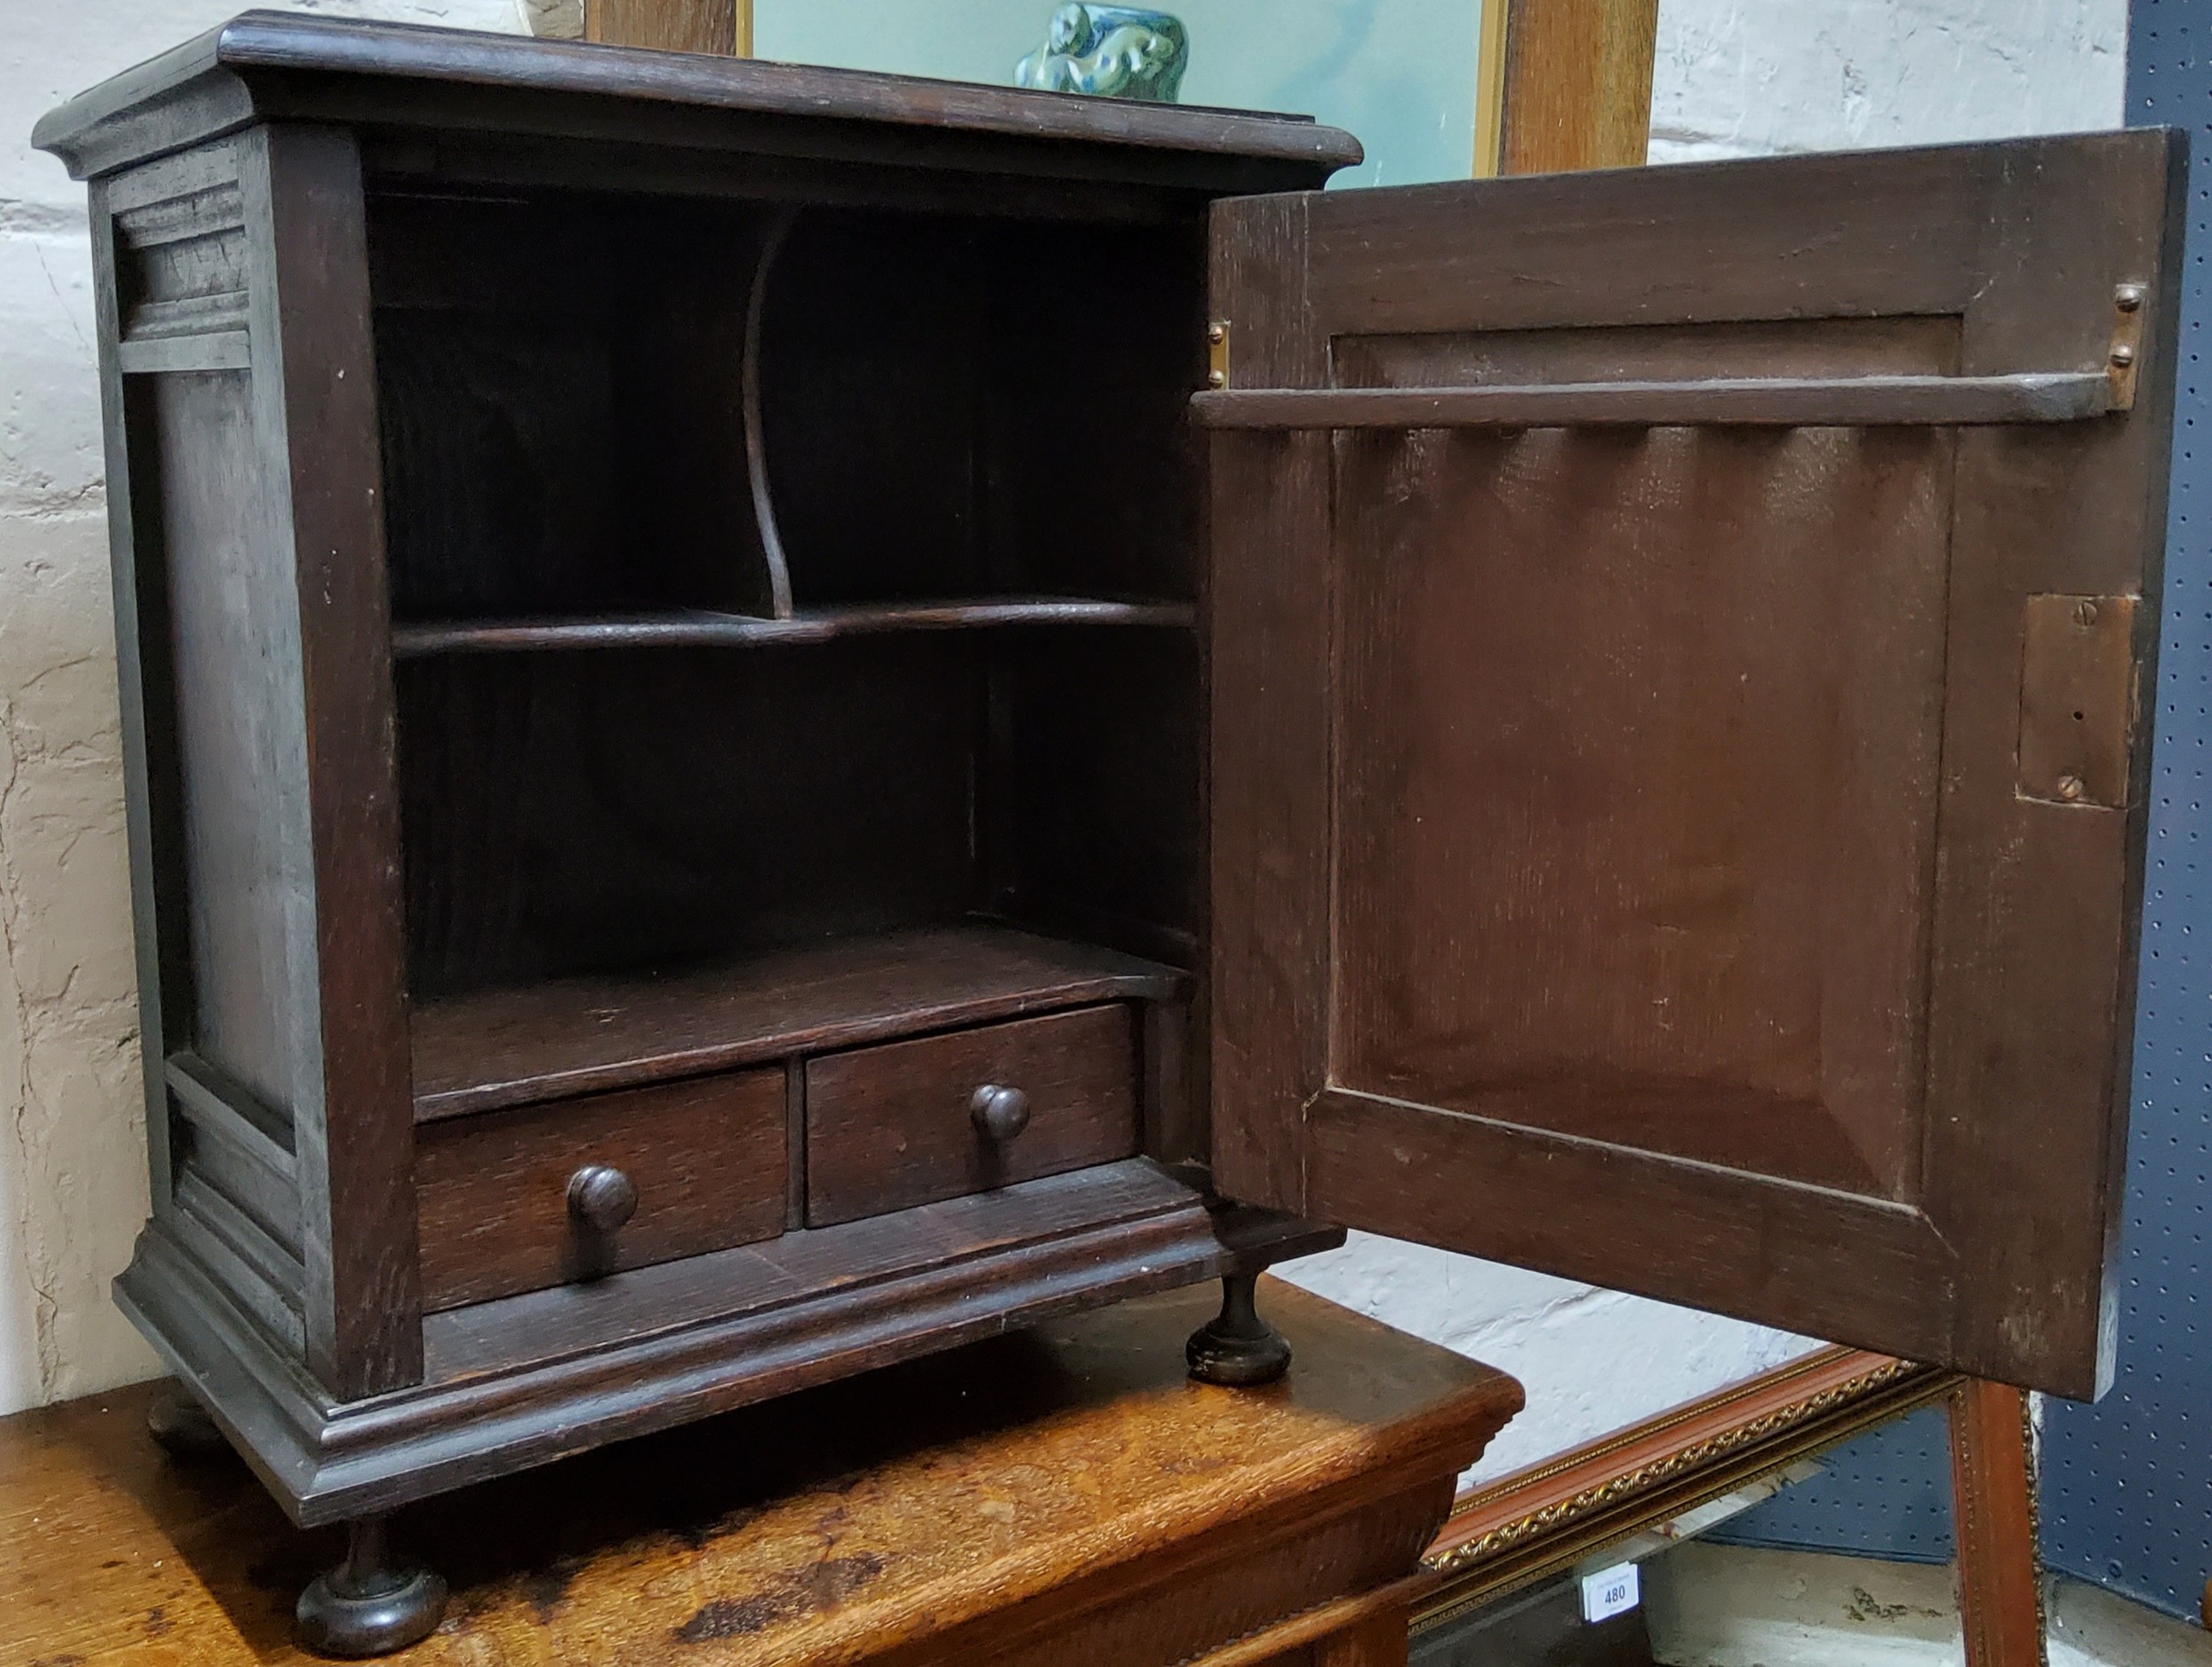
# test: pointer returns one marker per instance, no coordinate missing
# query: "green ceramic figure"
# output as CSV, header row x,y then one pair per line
x,y
1115,51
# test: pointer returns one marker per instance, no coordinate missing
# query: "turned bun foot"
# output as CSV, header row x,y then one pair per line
x,y
180,1425
369,1605
1237,1347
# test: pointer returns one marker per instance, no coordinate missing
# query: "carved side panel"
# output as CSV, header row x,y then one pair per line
x,y
204,606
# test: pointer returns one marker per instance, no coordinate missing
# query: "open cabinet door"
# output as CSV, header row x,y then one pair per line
x,y
1682,646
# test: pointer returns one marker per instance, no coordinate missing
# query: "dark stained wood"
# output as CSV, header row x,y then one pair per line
x,y
895,374
697,628
706,1159
147,717
872,327
2031,1048
240,1149
1684,932
478,163
559,1328
547,451
1626,911
571,815
1257,1523
890,1126
239,802
1268,607
1577,84
354,1123
1097,824
278,63
1992,1506
540,1042
1819,349
529,1378
1774,402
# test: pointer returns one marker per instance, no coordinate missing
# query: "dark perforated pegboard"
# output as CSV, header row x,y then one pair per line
x,y
2127,1485
1886,1494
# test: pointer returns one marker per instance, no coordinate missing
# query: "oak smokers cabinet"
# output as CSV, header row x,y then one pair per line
x,y
778,716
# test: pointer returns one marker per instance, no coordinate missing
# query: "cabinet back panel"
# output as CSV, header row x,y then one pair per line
x,y
1094,469
568,813
560,391
953,405
1098,825
1697,677
870,407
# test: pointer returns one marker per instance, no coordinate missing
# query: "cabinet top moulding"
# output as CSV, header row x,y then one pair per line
x,y
273,66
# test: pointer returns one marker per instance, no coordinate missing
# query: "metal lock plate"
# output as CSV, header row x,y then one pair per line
x,y
2078,699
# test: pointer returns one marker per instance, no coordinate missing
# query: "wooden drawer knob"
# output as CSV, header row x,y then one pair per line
x,y
602,1197
1000,1112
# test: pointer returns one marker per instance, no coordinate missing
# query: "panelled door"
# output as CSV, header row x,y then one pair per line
x,y
1681,646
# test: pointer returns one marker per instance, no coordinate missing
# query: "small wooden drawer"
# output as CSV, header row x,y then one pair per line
x,y
893,1127
703,1161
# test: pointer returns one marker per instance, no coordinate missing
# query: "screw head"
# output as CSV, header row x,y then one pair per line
x,y
2123,354
2069,789
1217,332
2085,614
1217,378
2128,297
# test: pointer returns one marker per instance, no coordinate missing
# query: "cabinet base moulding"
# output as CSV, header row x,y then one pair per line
x,y
527,1379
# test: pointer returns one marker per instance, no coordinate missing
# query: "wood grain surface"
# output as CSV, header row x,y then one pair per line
x,y
1577,84
323,482
702,628
706,1158
285,55
1993,1506
668,26
890,1127
504,1047
1059,1496
1654,867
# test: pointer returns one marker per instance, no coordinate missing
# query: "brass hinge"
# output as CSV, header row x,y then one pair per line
x,y
1218,354
2127,343
2078,699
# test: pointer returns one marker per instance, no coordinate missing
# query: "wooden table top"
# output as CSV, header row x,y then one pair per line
x,y
855,1521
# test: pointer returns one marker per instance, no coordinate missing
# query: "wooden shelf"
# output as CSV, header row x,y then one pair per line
x,y
702,628
478,1052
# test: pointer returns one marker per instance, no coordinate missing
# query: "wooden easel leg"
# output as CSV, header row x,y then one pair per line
x,y
1993,1510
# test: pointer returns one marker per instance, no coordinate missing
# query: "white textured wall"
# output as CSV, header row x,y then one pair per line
x,y
1748,78
73,1184
1735,1606
1732,79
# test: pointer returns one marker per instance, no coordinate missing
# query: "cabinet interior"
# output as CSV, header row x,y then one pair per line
x,y
709,653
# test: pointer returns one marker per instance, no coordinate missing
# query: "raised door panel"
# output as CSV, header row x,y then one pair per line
x,y
1679,639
